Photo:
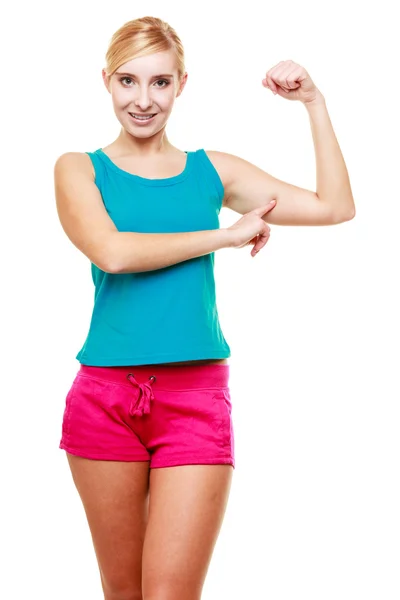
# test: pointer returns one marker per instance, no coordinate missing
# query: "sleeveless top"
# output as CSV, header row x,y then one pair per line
x,y
168,314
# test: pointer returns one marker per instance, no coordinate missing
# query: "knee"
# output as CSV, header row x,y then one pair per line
x,y
123,595
173,595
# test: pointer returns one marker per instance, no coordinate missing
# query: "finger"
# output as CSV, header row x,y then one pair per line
x,y
261,210
283,74
269,77
257,248
271,84
263,239
266,83
287,79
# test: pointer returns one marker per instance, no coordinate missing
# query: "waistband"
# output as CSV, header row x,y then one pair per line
x,y
164,377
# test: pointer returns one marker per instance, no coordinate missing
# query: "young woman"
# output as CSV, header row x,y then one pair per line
x,y
147,426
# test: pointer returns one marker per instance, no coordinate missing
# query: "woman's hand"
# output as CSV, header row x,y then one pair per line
x,y
252,229
292,82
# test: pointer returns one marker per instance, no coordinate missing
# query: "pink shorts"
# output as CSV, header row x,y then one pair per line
x,y
170,415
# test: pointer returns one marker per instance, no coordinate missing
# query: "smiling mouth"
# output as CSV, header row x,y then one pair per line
x,y
147,116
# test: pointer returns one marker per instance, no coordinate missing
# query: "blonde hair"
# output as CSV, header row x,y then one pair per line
x,y
141,37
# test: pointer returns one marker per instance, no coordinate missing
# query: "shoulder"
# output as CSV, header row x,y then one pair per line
x,y
78,161
224,164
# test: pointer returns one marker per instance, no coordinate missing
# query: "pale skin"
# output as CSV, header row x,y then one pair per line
x,y
152,536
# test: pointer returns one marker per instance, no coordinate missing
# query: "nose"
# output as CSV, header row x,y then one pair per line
x,y
144,101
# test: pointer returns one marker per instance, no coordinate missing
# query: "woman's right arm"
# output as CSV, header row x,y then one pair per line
x,y
87,224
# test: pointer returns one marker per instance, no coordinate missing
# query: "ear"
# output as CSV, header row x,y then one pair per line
x,y
182,85
106,80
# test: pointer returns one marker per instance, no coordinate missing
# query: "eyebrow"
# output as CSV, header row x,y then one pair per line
x,y
154,76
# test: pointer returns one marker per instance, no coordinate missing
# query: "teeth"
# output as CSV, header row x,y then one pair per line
x,y
141,116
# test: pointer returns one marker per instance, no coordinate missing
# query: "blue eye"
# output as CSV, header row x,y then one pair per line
x,y
165,81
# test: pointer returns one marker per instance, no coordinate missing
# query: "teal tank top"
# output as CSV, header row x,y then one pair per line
x,y
164,315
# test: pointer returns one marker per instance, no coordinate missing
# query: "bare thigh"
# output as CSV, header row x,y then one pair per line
x,y
186,510
115,498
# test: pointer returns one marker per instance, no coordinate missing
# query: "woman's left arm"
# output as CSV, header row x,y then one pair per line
x,y
248,187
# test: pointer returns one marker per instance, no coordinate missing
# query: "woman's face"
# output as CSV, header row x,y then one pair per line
x,y
147,85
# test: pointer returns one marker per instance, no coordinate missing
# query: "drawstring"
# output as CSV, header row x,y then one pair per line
x,y
142,404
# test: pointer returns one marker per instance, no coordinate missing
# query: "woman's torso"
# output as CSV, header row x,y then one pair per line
x,y
168,165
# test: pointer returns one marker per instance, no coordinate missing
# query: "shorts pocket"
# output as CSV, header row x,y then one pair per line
x,y
67,411
223,409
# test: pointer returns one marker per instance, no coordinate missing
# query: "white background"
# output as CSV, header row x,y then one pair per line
x,y
312,321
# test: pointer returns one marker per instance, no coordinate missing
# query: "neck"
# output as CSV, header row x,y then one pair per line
x,y
155,145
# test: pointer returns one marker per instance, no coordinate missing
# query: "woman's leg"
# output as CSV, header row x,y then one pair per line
x,y
115,498
186,510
